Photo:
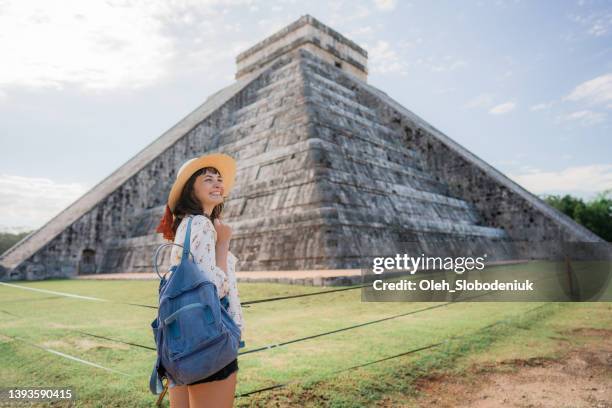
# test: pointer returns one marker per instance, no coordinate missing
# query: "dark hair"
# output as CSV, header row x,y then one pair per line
x,y
188,204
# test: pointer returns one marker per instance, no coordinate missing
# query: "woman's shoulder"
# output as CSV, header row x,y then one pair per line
x,y
203,221
201,224
197,219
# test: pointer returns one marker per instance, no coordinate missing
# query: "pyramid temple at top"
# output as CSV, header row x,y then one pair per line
x,y
330,170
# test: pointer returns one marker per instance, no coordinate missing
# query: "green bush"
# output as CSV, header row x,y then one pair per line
x,y
596,214
8,239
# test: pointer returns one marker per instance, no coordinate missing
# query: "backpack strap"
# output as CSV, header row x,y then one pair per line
x,y
155,384
187,243
185,246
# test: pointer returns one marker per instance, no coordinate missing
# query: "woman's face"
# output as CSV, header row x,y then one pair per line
x,y
208,189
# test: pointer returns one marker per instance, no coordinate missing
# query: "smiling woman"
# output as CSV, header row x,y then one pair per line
x,y
204,186
198,195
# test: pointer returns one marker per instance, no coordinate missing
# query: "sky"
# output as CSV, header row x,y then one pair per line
x,y
85,85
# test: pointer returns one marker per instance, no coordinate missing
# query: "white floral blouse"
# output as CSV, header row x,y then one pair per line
x,y
202,245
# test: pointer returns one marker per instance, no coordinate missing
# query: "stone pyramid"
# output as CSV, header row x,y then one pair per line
x,y
330,169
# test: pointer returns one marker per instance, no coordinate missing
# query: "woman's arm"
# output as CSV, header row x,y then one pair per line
x,y
221,251
235,307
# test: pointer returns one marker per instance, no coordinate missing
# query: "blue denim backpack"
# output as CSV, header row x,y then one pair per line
x,y
194,334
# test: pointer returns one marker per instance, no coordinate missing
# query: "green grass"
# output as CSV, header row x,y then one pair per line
x,y
49,322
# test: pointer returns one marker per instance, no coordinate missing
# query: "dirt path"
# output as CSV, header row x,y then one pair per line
x,y
582,377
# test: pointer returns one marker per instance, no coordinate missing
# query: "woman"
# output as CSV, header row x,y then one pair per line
x,y
198,192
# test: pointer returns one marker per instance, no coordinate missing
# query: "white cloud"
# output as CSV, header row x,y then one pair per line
x,y
597,91
97,45
449,63
433,63
31,202
597,24
484,100
270,26
507,162
581,180
383,59
101,45
409,43
540,106
502,108
586,117
445,90
340,13
385,5
601,25
360,32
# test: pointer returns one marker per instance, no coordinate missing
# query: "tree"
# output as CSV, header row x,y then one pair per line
x,y
7,240
595,215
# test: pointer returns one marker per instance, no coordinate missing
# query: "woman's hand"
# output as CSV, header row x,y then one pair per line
x,y
224,231
224,234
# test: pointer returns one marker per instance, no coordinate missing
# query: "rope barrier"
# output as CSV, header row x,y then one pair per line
x,y
411,351
67,356
30,299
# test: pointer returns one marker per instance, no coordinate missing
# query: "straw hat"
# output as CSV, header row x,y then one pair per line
x,y
222,162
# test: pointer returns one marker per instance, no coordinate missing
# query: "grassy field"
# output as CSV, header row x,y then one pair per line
x,y
310,367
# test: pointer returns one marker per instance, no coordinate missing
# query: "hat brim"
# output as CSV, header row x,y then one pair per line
x,y
222,162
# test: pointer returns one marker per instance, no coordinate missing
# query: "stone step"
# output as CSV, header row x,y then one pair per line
x,y
398,191
277,82
304,147
330,183
350,216
352,121
321,86
336,80
324,107
411,162
264,85
313,66
332,216
258,123
364,138
255,110
347,154
248,143
316,81
281,83
302,196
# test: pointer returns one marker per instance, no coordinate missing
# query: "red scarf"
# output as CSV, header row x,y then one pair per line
x,y
165,225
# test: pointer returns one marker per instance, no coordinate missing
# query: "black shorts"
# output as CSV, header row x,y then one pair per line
x,y
222,374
